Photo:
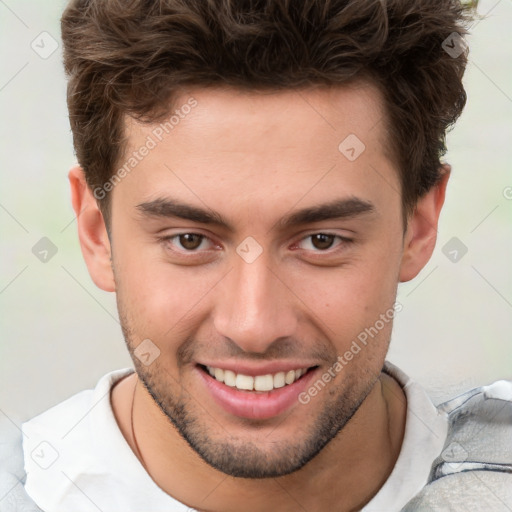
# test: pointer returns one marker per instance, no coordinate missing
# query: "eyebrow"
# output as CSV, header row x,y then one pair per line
x,y
338,209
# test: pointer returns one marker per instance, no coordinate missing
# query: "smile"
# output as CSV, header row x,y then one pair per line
x,y
266,382
255,397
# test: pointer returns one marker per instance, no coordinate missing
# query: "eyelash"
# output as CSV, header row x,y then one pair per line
x,y
343,241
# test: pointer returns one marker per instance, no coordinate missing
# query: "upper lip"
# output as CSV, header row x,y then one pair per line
x,y
259,369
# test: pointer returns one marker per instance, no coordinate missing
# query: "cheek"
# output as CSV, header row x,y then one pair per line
x,y
346,303
160,298
360,286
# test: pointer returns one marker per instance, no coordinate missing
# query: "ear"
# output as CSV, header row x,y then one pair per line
x,y
92,231
421,235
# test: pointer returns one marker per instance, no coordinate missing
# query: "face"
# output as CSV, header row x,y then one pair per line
x,y
248,239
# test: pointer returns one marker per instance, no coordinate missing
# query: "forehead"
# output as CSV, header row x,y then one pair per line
x,y
257,143
271,116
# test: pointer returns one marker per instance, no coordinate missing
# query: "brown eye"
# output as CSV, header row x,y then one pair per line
x,y
322,241
327,243
190,241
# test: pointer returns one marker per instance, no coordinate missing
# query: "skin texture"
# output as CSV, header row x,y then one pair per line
x,y
255,158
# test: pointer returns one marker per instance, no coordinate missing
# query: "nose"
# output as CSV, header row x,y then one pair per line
x,y
254,306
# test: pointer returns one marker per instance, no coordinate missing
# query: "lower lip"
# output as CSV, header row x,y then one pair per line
x,y
253,404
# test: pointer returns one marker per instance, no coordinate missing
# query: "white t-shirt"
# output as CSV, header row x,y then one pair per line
x,y
77,459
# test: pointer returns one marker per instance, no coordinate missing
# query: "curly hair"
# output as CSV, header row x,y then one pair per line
x,y
131,58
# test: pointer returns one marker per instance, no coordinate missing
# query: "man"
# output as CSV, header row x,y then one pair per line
x,y
255,180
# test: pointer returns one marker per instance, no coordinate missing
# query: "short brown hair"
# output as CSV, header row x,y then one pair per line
x,y
131,58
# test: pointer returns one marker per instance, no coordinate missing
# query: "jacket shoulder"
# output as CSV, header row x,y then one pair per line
x,y
13,497
474,469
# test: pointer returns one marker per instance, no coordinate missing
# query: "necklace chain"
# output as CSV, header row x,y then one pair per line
x,y
136,444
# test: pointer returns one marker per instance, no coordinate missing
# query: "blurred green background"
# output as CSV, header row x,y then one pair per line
x,y
60,334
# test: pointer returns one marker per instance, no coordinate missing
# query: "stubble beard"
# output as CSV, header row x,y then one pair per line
x,y
234,454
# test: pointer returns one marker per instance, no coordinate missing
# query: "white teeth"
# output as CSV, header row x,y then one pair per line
x,y
229,378
266,382
289,377
219,374
263,382
244,382
279,380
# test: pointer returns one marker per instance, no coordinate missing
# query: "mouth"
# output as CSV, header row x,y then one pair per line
x,y
258,396
258,383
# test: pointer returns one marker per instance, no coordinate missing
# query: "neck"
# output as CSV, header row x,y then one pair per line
x,y
345,475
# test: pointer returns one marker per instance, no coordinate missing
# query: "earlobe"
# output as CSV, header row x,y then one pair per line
x,y
421,235
92,231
